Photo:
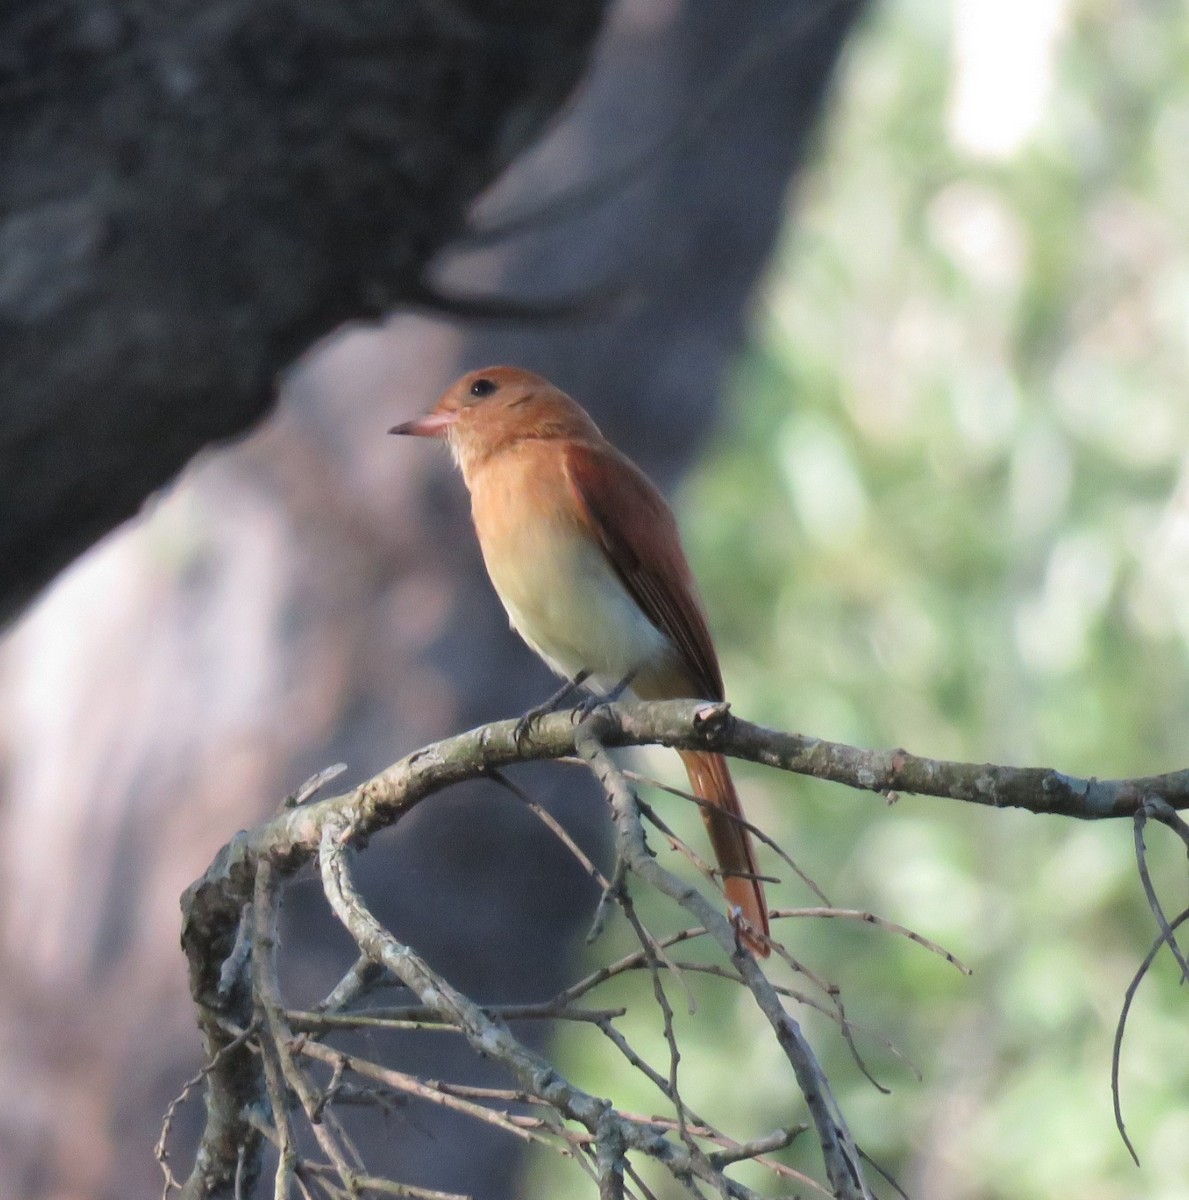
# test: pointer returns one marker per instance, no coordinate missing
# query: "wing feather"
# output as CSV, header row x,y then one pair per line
x,y
639,536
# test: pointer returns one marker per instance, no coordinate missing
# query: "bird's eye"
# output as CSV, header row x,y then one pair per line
x,y
483,387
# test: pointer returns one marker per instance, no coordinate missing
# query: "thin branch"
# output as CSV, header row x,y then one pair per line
x,y
754,830
535,1075
361,979
636,961
313,785
633,961
841,1156
273,1013
733,1152
406,1191
420,1017
161,1149
458,1097
1159,809
1141,860
278,1096
554,826
870,918
1120,1028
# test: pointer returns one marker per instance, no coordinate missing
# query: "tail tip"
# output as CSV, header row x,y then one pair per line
x,y
751,933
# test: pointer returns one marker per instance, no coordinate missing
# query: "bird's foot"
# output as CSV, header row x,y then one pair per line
x,y
524,726
589,704
586,707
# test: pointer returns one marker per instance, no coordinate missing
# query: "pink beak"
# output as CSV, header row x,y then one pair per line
x,y
432,425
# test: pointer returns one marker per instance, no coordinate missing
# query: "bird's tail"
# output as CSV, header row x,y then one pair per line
x,y
711,780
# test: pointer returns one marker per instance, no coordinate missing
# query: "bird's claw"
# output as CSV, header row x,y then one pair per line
x,y
591,702
586,708
524,726
522,733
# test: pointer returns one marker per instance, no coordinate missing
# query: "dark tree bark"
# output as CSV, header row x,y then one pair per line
x,y
195,192
316,595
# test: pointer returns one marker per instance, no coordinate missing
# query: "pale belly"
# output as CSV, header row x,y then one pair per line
x,y
565,600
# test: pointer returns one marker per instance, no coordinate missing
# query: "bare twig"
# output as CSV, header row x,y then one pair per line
x,y
420,1017
313,785
362,978
459,1097
754,830
273,1016
1159,809
1120,1028
538,1078
553,825
870,918
161,1149
841,1156
1141,860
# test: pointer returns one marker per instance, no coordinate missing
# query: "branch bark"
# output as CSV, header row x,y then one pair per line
x,y
292,837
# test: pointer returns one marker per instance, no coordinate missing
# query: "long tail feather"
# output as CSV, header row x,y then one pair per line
x,y
711,779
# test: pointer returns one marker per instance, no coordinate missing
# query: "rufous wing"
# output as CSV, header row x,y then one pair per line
x,y
637,532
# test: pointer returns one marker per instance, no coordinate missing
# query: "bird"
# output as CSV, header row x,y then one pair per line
x,y
586,558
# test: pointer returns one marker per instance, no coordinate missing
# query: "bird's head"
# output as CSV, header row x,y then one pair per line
x,y
486,411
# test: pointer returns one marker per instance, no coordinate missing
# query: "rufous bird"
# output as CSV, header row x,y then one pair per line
x,y
587,560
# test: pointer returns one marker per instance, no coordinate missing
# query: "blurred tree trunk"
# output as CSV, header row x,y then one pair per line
x,y
193,192
315,595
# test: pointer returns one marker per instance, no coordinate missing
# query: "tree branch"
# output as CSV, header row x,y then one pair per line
x,y
258,1063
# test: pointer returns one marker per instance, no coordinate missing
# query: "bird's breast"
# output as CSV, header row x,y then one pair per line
x,y
560,592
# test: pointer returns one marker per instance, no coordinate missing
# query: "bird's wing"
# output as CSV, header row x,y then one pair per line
x,y
637,532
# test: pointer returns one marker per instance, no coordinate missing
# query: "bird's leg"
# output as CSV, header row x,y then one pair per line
x,y
593,700
524,725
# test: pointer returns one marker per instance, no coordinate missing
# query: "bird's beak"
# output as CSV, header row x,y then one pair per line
x,y
433,424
